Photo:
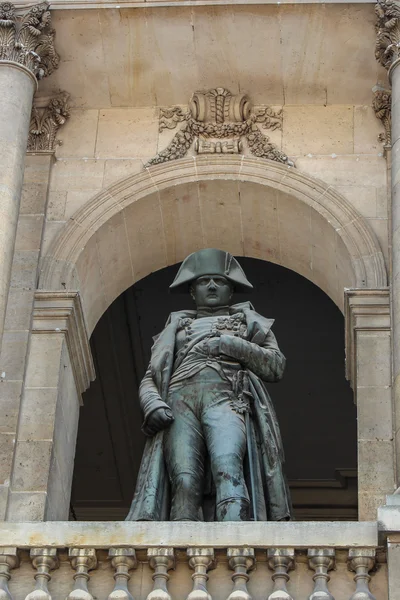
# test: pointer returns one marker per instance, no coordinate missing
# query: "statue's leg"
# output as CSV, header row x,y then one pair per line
x,y
184,452
225,434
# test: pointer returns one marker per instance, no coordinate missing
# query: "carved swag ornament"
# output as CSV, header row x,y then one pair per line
x,y
388,32
45,123
216,122
28,39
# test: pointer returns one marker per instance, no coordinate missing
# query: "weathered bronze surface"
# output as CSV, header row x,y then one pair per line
x,y
214,450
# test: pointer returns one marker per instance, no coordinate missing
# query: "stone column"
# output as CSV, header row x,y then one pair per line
x,y
387,53
26,55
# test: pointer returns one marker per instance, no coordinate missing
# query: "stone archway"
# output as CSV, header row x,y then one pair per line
x,y
252,207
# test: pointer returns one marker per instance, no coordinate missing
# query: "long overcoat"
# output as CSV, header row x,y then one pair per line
x,y
151,501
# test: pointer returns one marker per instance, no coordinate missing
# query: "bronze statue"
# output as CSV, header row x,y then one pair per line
x,y
214,451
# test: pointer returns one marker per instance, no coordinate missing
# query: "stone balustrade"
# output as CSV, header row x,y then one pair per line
x,y
191,561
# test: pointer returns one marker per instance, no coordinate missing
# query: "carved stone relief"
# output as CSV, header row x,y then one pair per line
x,y
218,122
382,105
388,32
26,37
45,123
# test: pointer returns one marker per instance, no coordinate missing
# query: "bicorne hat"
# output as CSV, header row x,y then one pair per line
x,y
210,261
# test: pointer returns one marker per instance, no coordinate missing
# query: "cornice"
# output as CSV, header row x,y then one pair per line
x,y
61,313
87,4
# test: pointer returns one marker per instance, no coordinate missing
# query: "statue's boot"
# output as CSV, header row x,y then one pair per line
x,y
233,509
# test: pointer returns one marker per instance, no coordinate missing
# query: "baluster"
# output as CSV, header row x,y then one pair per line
x,y
82,560
201,560
241,560
321,560
123,560
8,560
44,560
280,560
161,560
361,561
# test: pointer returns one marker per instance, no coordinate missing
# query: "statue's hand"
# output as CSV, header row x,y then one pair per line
x,y
158,420
213,346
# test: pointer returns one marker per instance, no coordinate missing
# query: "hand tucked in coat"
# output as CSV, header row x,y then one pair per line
x,y
158,420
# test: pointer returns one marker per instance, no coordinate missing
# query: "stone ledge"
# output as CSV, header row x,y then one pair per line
x,y
306,534
82,4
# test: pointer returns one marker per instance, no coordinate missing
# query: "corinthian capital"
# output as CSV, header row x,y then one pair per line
x,y
26,37
45,122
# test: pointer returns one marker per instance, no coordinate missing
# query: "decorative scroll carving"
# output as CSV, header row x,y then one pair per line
x,y
280,560
161,560
28,39
361,561
321,560
8,560
44,560
241,560
45,123
123,560
269,117
82,560
170,117
201,560
382,105
218,121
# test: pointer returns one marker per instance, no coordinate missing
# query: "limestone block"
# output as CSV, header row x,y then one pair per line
x,y
381,229
29,232
77,175
120,168
51,230
259,207
37,414
294,222
7,441
42,370
32,198
4,489
76,200
221,215
374,413
375,466
365,170
127,133
382,209
56,205
366,131
91,283
79,134
112,244
19,309
31,466
10,393
24,267
317,130
182,220
351,29
57,507
301,55
146,236
79,42
29,504
12,357
373,359
363,198
368,504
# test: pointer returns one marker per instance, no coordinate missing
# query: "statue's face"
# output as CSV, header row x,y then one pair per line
x,y
211,291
